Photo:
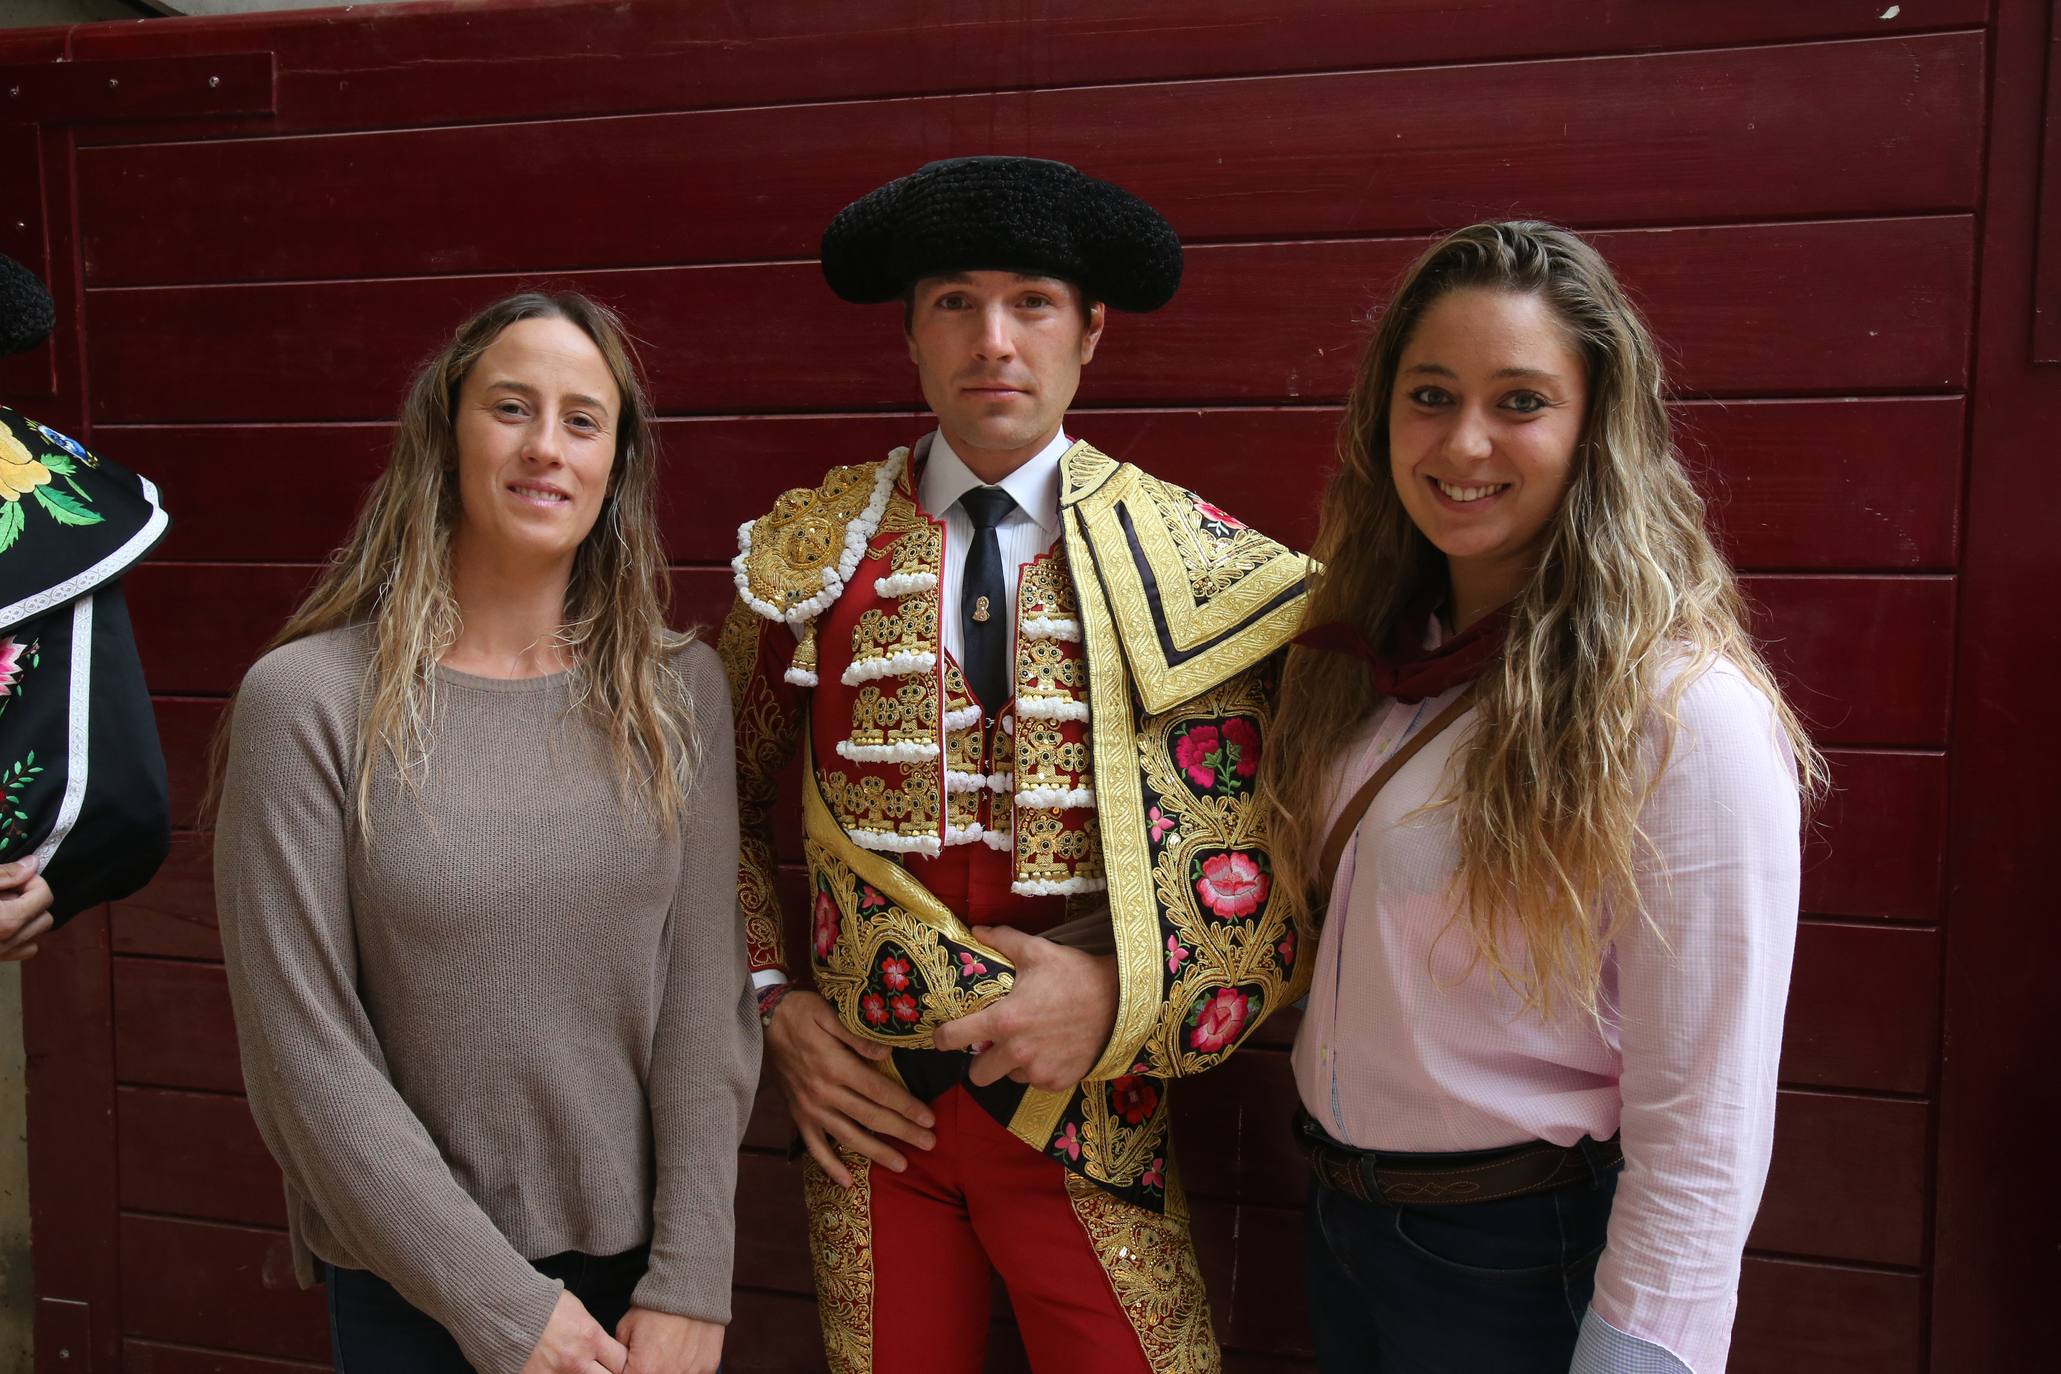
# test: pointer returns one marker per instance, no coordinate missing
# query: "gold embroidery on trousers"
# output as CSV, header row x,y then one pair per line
x,y
1149,1258
841,1246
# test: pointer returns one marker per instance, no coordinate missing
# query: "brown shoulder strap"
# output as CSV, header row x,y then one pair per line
x,y
1349,819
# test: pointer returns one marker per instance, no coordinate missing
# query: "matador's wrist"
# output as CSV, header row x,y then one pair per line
x,y
769,1001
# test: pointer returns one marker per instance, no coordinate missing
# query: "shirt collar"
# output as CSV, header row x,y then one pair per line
x,y
1034,486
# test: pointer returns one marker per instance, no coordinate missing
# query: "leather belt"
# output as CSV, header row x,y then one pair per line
x,y
1424,1181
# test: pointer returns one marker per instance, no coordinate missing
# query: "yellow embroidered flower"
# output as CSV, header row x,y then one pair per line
x,y
20,473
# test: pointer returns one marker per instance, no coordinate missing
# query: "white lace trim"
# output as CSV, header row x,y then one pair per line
x,y
965,718
956,781
885,842
965,834
1051,627
1065,887
1001,782
1051,708
800,677
909,751
857,535
1057,798
901,584
894,665
999,839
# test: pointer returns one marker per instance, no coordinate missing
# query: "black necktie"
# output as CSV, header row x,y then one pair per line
x,y
984,612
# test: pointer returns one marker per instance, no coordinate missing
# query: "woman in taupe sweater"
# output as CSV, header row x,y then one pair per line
x,y
476,866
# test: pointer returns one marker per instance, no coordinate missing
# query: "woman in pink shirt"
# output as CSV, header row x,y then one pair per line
x,y
1538,1067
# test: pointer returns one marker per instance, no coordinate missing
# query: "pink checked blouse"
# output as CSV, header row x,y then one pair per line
x,y
1409,1046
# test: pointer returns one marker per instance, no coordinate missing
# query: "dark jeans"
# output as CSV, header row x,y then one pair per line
x,y
374,1330
1472,1288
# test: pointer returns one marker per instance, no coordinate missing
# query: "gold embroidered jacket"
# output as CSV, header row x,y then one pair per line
x,y
1146,651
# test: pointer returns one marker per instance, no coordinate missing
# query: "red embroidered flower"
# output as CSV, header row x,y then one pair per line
x,y
870,898
1218,1019
905,1009
1176,954
1286,949
827,921
1218,515
895,973
1162,824
1155,1175
970,964
1232,884
1195,754
1242,735
874,1008
1068,1142
1135,1099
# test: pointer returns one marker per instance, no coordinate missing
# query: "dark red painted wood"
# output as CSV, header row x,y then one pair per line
x,y
154,1357
1825,1317
184,728
200,1283
196,1155
1874,844
384,69
1863,658
172,1027
1995,1264
1441,146
1819,485
2046,268
1742,310
1863,1008
773,1333
174,915
1848,1180
27,377
147,89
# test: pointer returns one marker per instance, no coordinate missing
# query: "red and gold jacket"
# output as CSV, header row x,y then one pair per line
x,y
1117,785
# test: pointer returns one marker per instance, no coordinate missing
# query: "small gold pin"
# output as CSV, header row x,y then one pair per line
x,y
980,610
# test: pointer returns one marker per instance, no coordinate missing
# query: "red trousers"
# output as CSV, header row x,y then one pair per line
x,y
905,1263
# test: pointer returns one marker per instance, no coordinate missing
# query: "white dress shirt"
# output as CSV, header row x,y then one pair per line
x,y
1024,533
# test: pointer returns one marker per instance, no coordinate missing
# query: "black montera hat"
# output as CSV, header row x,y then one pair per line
x,y
26,314
1014,214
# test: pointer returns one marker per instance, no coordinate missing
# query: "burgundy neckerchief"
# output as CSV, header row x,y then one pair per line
x,y
1403,668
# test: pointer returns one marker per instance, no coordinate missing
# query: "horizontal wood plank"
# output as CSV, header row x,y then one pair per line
x,y
155,1357
199,1283
1784,478
1848,1180
335,72
173,916
772,1333
195,1155
1587,141
1874,846
173,1026
1863,1008
1864,660
1827,1319
1742,310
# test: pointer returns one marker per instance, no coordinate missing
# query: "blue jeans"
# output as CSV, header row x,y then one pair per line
x,y
374,1330
1470,1288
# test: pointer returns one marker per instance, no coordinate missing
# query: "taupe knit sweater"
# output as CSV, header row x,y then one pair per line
x,y
519,1024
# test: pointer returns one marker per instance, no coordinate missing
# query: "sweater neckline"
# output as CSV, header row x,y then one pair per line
x,y
473,682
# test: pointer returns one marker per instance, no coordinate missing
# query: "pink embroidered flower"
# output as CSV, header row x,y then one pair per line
x,y
1155,1174
1232,884
1195,754
1162,824
904,1007
1176,954
1068,1142
874,1008
1135,1099
870,898
10,664
1242,737
970,964
1218,515
1218,1019
895,973
1286,949
827,921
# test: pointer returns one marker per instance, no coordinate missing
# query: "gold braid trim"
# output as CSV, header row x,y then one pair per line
x,y
1149,1258
841,1246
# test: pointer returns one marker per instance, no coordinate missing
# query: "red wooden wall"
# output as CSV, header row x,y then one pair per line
x,y
255,227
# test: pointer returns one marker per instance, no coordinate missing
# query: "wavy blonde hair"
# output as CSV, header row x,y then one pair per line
x,y
1629,594
394,575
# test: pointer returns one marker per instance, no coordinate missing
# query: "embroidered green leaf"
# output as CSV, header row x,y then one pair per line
x,y
77,488
59,463
11,523
64,510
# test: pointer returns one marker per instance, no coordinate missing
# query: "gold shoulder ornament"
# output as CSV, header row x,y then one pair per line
x,y
793,562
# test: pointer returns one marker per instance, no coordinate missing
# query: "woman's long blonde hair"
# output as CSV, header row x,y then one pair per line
x,y
1629,594
394,575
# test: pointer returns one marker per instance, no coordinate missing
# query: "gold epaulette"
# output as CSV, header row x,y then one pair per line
x,y
792,562
1196,595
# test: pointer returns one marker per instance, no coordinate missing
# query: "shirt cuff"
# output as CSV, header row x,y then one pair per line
x,y
1603,1349
765,978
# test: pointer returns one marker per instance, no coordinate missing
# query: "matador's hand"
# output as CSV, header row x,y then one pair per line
x,y
1051,1027
834,1093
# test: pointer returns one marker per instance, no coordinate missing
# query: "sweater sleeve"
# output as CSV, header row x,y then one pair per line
x,y
317,1077
1701,991
705,1055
